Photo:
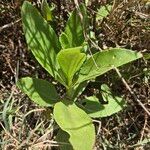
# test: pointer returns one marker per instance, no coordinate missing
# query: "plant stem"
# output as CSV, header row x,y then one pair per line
x,y
70,93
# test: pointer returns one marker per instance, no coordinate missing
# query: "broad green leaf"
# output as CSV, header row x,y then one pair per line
x,y
47,10
103,12
70,61
63,140
92,106
39,91
40,37
111,104
105,61
74,29
76,123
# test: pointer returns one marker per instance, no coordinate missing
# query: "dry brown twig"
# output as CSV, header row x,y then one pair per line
x,y
143,130
99,126
9,134
131,92
9,25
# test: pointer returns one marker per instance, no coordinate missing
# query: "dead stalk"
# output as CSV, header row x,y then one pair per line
x,y
131,92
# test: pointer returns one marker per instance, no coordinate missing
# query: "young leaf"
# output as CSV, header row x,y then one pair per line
x,y
105,61
64,40
70,61
95,108
46,10
39,91
74,29
40,37
76,123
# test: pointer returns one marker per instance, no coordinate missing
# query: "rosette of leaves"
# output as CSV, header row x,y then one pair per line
x,y
65,60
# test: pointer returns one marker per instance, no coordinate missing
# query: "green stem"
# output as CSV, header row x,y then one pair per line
x,y
70,93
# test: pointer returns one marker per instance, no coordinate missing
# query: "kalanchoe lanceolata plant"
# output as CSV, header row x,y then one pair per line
x,y
65,59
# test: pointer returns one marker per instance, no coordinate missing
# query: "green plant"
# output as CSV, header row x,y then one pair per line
x,y
103,11
47,10
66,60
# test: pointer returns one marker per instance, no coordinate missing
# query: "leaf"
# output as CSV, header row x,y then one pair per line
x,y
95,108
46,10
70,61
76,123
103,12
5,113
105,61
64,40
39,91
63,138
40,37
92,106
115,103
78,89
73,35
146,56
